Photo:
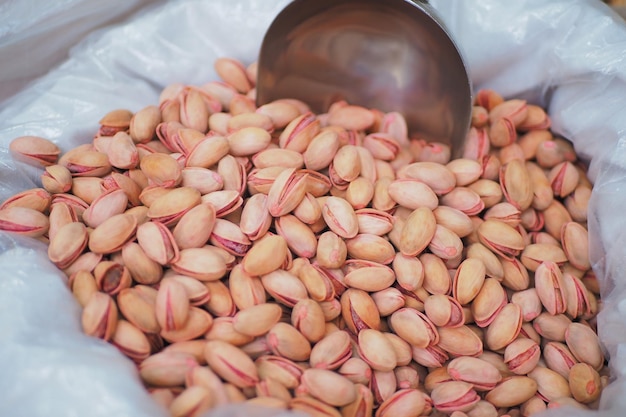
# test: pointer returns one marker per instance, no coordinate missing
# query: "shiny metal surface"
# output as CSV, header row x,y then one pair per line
x,y
394,55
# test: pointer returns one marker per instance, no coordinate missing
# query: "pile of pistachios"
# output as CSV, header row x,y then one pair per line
x,y
333,264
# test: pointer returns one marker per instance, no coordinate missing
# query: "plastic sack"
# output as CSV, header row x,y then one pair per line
x,y
563,54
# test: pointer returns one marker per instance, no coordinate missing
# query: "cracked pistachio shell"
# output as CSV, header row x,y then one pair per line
x,y
112,277
522,355
559,358
207,152
24,221
358,309
287,191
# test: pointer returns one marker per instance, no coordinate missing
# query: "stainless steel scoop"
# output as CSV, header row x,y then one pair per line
x,y
393,55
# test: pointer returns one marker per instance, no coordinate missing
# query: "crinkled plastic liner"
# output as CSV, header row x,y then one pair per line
x,y
564,54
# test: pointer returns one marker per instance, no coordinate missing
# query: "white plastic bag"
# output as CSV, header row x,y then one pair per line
x,y
566,54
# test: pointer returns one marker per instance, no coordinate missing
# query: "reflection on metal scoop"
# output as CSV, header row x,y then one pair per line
x,y
393,55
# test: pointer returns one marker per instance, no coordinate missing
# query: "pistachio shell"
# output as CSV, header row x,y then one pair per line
x,y
99,317
68,243
111,235
200,263
454,396
35,150
418,231
332,351
512,391
329,387
258,319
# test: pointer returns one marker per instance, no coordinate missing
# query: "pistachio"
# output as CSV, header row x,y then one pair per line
x,y
35,150
230,363
512,391
505,327
68,243
550,385
584,344
480,373
550,287
418,231
412,194
285,340
584,383
522,355
258,319
166,369
414,327
454,396
100,316
112,234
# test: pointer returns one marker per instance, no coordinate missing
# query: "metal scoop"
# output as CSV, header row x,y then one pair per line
x,y
392,55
